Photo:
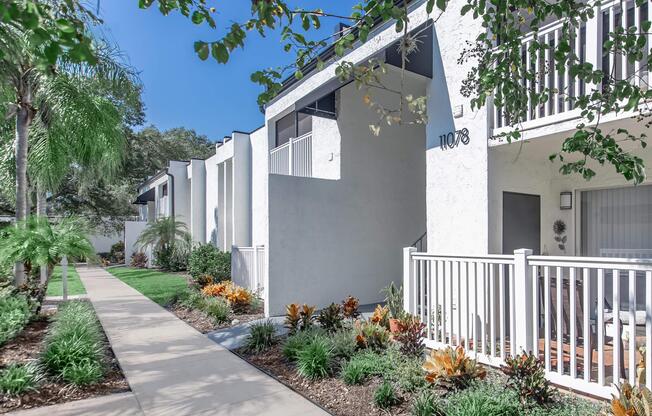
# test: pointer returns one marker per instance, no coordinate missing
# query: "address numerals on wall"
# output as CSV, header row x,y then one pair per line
x,y
453,139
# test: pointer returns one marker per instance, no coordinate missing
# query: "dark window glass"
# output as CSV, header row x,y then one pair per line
x,y
304,124
285,129
165,190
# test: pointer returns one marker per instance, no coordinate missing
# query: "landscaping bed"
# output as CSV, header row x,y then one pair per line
x,y
43,365
351,366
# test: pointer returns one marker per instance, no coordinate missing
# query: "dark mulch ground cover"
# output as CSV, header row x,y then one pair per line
x,y
330,393
28,346
204,324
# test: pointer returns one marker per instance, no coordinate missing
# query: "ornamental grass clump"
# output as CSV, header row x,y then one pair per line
x,y
526,376
484,399
385,396
452,368
427,404
262,336
18,378
314,361
73,345
297,342
216,308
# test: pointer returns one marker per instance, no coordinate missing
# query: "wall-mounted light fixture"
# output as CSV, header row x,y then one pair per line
x,y
566,200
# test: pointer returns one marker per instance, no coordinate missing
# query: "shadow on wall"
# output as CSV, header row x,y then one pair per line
x,y
215,232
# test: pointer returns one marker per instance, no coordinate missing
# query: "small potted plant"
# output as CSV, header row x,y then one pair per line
x,y
394,302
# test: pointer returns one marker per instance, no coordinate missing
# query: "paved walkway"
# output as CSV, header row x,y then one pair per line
x,y
173,369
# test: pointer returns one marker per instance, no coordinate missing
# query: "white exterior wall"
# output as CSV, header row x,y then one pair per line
x,y
132,232
326,154
102,243
456,187
179,192
197,179
211,189
241,190
259,187
333,238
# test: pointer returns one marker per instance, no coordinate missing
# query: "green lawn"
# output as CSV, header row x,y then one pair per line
x,y
75,286
159,287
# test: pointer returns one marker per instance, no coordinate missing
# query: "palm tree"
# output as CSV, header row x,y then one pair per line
x,y
38,243
69,114
164,234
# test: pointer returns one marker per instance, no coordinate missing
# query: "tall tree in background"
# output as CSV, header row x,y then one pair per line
x,y
68,112
107,203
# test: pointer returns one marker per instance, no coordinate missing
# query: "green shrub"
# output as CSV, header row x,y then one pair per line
x,y
15,313
173,258
314,360
568,406
426,404
296,343
343,343
483,400
526,375
117,253
74,348
385,396
216,308
407,373
366,364
19,378
139,260
208,260
261,336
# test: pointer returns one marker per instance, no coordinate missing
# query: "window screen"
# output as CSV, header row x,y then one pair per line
x,y
285,129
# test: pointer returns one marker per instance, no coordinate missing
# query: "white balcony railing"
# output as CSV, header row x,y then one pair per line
x,y
293,158
588,319
586,43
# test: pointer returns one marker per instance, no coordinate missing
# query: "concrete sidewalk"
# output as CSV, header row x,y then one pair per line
x,y
173,369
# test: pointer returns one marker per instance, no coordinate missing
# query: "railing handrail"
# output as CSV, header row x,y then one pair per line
x,y
489,258
591,262
279,148
302,137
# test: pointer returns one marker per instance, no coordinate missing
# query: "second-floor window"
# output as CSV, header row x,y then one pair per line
x,y
164,190
291,126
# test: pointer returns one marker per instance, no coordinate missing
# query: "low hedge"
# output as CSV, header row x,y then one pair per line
x,y
15,312
74,346
209,260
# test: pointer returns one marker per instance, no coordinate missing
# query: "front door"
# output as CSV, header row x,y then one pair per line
x,y
521,222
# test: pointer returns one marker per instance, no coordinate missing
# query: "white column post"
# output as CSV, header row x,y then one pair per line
x,y
523,308
409,285
64,277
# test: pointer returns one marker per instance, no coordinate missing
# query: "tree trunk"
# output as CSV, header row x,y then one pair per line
x,y
24,116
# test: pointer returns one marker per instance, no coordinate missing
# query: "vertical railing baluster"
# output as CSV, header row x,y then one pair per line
x,y
572,288
535,311
528,82
512,313
466,304
560,321
422,292
475,309
546,319
632,327
492,309
600,327
501,288
586,324
483,321
648,322
443,301
555,74
616,318
546,77
428,299
450,303
612,26
435,294
459,303
578,53
637,63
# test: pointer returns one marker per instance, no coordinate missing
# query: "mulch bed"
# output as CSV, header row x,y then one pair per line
x,y
204,324
330,393
29,345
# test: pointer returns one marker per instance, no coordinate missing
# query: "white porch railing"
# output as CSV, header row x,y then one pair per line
x,y
584,317
586,43
293,158
248,267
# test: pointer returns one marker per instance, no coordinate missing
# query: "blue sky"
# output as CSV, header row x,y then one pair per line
x,y
182,90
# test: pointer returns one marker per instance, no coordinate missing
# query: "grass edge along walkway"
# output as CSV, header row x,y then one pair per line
x,y
55,285
157,286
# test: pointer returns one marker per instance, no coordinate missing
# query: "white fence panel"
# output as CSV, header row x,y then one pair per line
x,y
588,319
248,267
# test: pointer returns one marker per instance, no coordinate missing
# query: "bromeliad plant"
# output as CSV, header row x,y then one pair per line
x,y
526,375
350,307
381,316
632,401
452,368
299,318
371,335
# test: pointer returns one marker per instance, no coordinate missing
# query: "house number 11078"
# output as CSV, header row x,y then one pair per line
x,y
453,139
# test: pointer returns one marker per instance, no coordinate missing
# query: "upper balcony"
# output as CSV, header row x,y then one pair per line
x,y
586,44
